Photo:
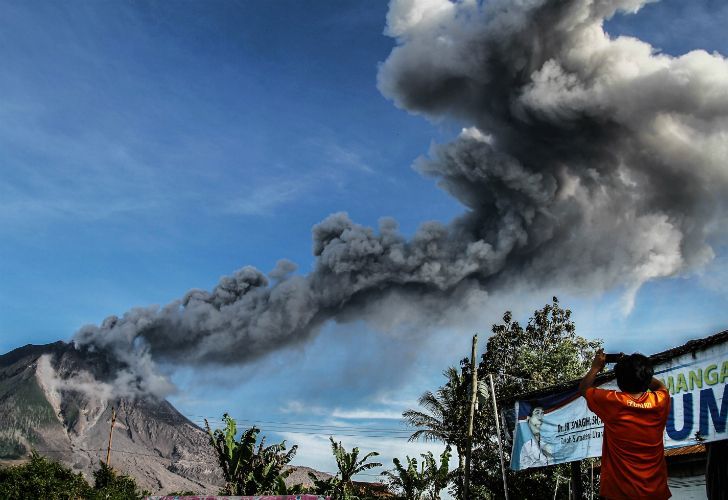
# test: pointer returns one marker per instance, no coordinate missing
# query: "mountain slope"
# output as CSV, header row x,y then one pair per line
x,y
50,400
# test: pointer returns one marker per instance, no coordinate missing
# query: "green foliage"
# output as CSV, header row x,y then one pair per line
x,y
446,413
438,476
408,482
42,478
323,486
24,408
249,470
47,479
110,485
546,352
349,465
412,484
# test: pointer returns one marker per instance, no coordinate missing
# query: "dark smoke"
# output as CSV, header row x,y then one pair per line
x,y
586,161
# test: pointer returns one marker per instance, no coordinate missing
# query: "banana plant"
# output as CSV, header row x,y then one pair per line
x,y
349,465
324,486
249,470
410,482
438,476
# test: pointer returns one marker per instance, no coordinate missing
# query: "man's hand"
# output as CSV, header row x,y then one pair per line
x,y
600,359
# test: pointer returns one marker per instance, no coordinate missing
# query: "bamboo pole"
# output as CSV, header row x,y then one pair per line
x,y
471,417
498,433
111,432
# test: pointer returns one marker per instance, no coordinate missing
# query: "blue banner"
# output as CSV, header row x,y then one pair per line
x,y
560,428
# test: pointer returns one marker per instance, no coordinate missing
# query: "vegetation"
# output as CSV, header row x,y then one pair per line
x,y
324,486
349,465
47,479
413,484
249,470
42,478
110,485
438,476
445,415
408,482
545,352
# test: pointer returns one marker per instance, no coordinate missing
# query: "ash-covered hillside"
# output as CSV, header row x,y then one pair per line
x,y
53,399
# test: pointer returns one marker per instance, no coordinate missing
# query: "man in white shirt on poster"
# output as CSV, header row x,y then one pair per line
x,y
534,453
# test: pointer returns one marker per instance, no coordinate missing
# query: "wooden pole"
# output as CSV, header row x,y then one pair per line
x,y
498,433
471,417
591,489
111,433
569,493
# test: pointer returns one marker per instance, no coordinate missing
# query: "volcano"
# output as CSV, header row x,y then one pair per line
x,y
51,400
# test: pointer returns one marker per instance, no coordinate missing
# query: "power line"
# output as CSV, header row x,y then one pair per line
x,y
282,426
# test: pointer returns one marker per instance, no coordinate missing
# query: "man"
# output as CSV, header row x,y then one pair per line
x,y
633,455
534,453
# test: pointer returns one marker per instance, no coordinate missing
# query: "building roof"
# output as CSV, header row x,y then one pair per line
x,y
695,449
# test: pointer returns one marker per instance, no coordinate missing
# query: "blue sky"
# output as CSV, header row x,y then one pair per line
x,y
151,147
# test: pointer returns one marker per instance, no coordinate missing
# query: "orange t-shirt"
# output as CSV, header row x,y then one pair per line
x,y
633,451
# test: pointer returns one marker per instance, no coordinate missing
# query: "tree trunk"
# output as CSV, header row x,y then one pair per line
x,y
461,467
576,487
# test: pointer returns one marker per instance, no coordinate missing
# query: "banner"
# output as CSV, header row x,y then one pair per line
x,y
560,428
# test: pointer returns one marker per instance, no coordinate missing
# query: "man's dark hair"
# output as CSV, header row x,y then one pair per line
x,y
634,373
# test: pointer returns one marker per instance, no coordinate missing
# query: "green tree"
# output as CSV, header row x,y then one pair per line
x,y
110,485
546,352
42,478
445,415
438,476
249,470
323,486
48,479
408,482
349,465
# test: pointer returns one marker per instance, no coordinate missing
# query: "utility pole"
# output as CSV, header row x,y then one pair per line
x,y
111,433
471,418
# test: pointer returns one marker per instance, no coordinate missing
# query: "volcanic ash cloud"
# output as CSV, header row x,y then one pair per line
x,y
585,161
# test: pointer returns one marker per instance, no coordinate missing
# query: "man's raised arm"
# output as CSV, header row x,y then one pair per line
x,y
600,359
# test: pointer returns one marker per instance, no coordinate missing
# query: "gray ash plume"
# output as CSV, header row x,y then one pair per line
x,y
586,161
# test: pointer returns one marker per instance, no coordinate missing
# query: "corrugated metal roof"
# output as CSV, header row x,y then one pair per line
x,y
695,449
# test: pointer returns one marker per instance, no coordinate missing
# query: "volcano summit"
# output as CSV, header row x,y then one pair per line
x,y
53,398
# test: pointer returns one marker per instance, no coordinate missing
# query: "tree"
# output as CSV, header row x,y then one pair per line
x,y
349,465
408,482
110,485
413,484
249,470
446,413
438,476
546,352
42,478
323,486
